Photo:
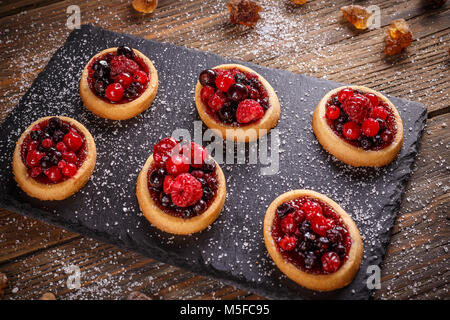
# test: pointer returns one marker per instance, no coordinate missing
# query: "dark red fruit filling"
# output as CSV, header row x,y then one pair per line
x,y
53,151
182,180
361,119
118,77
232,96
311,235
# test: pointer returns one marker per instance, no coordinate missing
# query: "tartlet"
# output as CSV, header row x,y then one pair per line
x,y
118,83
359,126
54,158
237,103
180,197
312,240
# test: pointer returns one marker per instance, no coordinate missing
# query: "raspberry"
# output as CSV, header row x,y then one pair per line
x,y
167,184
374,101
321,225
73,140
47,143
206,93
114,92
288,224
163,150
370,127
311,209
217,101
288,243
186,190
299,216
356,107
351,130
121,64
379,113
32,145
177,164
344,94
35,171
249,110
224,81
330,262
333,112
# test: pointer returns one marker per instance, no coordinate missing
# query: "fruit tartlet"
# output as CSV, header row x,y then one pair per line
x,y
181,189
236,102
312,240
118,83
359,126
54,158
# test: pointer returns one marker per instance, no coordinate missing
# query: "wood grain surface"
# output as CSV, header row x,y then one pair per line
x,y
311,39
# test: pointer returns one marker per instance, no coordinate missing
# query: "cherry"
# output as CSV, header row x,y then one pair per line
x,y
208,77
177,164
73,140
344,94
321,225
330,262
114,92
34,157
69,156
47,143
351,130
124,79
333,112
386,136
60,146
370,127
238,92
69,170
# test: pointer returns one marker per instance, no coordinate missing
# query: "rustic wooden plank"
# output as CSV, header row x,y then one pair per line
x,y
10,7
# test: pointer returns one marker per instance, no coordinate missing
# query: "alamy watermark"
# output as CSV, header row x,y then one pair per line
x,y
74,20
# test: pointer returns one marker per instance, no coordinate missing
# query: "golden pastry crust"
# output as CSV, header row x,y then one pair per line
x,y
172,224
346,152
242,133
318,282
119,111
57,191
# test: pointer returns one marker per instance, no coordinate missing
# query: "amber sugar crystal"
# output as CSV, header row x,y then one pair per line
x,y
244,12
145,6
398,36
357,15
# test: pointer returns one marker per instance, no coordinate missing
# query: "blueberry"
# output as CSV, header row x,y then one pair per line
x,y
311,260
58,135
366,143
238,92
125,51
199,207
209,165
54,123
165,200
65,127
36,135
156,179
240,78
207,194
283,209
188,212
100,87
226,114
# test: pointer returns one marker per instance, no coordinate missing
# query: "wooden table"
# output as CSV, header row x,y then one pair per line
x,y
311,39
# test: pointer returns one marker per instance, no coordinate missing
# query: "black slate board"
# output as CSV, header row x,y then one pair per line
x,y
232,249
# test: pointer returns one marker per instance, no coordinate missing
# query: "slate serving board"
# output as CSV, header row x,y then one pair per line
x,y
232,249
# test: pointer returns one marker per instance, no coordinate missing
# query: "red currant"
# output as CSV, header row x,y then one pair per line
x,y
47,143
345,94
370,127
73,140
34,157
333,112
53,174
379,113
288,243
330,262
321,225
374,101
351,130
163,150
114,92
386,136
69,170
36,171
69,156
124,79
61,147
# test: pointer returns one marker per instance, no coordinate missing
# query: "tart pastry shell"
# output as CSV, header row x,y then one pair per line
x,y
177,225
121,111
319,282
61,190
346,152
243,133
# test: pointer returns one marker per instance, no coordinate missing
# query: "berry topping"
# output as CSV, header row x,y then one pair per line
x,y
333,112
54,174
177,164
217,101
248,111
238,92
197,154
330,262
162,150
167,184
206,93
124,79
370,127
34,158
122,64
379,113
125,51
318,243
73,140
351,130
356,107
69,156
374,101
140,77
186,190
69,170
